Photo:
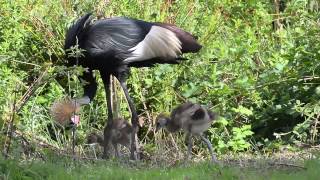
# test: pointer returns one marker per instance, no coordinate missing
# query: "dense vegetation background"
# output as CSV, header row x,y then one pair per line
x,y
258,69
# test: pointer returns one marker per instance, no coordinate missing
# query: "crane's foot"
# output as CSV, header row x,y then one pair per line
x,y
214,160
105,154
209,145
135,150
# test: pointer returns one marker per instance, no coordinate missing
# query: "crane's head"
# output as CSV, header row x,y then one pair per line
x,y
161,121
64,111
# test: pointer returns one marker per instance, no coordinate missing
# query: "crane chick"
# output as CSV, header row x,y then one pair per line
x,y
120,133
193,119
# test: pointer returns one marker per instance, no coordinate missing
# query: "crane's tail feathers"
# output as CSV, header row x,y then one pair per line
x,y
188,41
160,43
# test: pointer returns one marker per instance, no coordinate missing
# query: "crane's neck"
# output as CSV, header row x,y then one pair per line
x,y
83,100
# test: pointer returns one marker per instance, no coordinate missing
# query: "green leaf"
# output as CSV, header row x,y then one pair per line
x,y
222,121
243,110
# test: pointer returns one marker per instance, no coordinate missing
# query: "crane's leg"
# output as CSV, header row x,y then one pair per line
x,y
190,144
209,145
134,119
116,150
107,130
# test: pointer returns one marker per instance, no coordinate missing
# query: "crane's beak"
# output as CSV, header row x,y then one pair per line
x,y
83,100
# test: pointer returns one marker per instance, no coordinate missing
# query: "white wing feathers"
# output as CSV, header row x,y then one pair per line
x,y
158,43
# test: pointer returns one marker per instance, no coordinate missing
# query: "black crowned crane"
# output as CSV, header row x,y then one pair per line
x,y
114,45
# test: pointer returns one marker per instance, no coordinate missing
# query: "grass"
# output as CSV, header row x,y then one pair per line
x,y
231,32
66,169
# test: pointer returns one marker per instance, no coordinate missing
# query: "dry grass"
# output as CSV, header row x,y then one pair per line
x,y
170,151
164,160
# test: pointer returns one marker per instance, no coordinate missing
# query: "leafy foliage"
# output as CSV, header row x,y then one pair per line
x,y
262,80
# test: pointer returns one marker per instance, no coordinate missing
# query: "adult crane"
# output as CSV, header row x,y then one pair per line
x,y
114,45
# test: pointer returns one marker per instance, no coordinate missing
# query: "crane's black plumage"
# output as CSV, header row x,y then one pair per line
x,y
113,45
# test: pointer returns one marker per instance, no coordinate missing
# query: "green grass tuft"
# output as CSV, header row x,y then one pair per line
x,y
13,169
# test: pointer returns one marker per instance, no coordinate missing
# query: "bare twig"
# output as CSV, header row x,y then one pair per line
x,y
34,86
290,165
73,141
148,115
17,61
179,96
308,78
43,144
174,142
277,20
314,133
39,142
10,127
305,78
78,157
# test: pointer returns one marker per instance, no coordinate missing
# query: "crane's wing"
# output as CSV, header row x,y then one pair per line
x,y
112,37
188,41
186,112
131,40
181,110
158,43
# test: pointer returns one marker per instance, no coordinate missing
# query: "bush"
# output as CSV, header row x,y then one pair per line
x,y
260,79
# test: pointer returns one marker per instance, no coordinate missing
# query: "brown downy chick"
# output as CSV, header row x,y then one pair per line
x,y
193,119
93,138
120,134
